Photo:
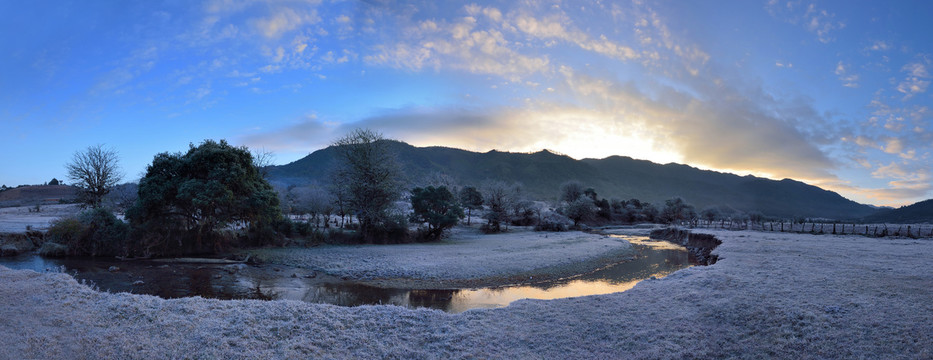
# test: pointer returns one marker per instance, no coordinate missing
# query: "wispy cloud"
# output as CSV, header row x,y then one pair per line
x,y
283,20
917,79
818,21
848,79
461,45
880,46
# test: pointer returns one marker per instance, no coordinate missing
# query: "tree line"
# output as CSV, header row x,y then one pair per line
x,y
215,197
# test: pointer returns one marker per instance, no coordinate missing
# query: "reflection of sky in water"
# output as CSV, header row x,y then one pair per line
x,y
654,259
654,244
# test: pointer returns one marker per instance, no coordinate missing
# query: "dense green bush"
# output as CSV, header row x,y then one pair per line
x,y
188,203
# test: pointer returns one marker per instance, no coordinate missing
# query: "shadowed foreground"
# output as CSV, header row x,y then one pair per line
x,y
770,295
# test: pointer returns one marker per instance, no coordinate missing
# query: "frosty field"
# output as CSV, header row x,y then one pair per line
x,y
770,295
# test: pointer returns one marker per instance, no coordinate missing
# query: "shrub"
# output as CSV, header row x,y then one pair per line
x,y
553,221
50,249
66,230
106,235
95,232
489,228
393,231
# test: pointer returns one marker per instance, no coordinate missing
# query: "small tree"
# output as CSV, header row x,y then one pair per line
x,y
95,171
756,217
590,193
677,209
436,206
471,199
581,209
603,209
372,178
497,196
710,214
571,191
54,181
312,200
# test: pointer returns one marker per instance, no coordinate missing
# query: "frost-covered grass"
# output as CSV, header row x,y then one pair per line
x,y
17,219
465,257
771,295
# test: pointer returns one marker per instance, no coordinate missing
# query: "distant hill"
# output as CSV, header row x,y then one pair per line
x,y
37,195
543,172
921,212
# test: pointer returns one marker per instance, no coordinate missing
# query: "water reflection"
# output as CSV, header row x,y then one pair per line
x,y
654,259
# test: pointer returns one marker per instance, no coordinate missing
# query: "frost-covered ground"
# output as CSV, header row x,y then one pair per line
x,y
465,258
16,219
771,295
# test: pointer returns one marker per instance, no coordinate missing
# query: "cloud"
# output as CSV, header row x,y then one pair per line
x,y
513,44
459,45
906,184
815,20
880,46
848,80
893,146
307,134
917,79
557,27
283,20
724,128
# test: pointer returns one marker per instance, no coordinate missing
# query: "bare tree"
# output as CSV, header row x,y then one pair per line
x,y
498,196
570,191
312,200
95,170
262,160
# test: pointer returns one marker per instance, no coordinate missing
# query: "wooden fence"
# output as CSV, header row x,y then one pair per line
x,y
874,230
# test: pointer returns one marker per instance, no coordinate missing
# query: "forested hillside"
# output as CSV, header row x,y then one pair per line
x,y
542,172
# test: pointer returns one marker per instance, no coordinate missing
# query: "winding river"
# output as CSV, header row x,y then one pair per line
x,y
241,281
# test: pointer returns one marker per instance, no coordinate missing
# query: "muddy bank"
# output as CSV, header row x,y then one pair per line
x,y
700,246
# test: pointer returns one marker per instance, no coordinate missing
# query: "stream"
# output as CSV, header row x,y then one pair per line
x,y
241,281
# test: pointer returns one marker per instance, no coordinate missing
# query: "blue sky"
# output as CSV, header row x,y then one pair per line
x,y
833,93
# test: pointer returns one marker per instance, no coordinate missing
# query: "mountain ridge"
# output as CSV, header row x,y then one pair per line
x,y
919,212
622,177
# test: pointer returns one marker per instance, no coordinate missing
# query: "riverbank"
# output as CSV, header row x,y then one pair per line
x,y
466,258
768,296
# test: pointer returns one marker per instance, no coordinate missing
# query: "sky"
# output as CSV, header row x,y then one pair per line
x,y
832,93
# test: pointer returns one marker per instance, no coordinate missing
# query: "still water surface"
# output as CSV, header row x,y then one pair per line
x,y
654,259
